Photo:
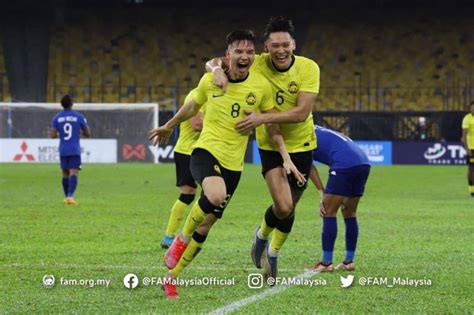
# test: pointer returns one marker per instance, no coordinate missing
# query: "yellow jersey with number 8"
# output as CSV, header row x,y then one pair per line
x,y
225,110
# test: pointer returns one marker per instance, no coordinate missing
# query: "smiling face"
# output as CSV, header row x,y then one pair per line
x,y
280,45
240,55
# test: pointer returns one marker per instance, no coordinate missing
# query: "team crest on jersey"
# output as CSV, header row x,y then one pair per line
x,y
293,87
251,98
217,168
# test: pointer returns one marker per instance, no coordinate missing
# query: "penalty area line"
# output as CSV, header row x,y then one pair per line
x,y
257,297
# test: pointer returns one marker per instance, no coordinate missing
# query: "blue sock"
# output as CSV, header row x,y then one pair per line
x,y
328,238
65,182
352,233
72,185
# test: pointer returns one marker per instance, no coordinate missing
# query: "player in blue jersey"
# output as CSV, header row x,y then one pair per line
x,y
68,125
349,168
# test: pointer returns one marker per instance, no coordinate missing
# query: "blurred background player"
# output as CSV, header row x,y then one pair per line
x,y
68,124
189,131
349,169
218,155
295,85
468,141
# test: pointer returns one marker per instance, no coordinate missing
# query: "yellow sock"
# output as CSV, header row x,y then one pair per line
x,y
195,217
265,230
278,239
471,189
191,251
177,213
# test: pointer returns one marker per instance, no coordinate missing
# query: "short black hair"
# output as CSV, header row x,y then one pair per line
x,y
66,101
239,35
279,24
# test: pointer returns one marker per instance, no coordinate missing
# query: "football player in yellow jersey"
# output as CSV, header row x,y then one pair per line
x,y
468,141
295,85
189,131
218,155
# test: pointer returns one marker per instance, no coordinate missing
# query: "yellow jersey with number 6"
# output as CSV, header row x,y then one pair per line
x,y
225,110
302,76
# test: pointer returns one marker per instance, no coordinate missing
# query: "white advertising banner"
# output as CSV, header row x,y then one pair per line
x,y
46,150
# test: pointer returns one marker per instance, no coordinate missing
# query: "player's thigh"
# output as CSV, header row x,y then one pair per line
x,y
359,176
277,182
215,180
303,162
184,178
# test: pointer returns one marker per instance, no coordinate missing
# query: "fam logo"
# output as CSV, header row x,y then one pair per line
x,y
293,87
23,153
445,154
251,99
129,152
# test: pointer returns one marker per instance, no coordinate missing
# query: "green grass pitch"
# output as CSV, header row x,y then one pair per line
x,y
415,222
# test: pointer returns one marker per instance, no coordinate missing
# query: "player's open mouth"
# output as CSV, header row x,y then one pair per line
x,y
281,58
242,65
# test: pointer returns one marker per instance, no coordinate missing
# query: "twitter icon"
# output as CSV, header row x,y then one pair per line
x,y
346,282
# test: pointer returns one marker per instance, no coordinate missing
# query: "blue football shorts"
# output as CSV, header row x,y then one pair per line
x,y
347,182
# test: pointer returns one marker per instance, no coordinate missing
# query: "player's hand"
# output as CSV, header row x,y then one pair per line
x,y
322,209
220,79
252,121
290,168
468,152
160,135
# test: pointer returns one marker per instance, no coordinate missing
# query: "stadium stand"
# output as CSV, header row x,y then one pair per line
x,y
390,64
4,88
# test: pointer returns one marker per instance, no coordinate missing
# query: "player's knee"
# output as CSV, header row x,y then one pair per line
x,y
348,211
187,190
284,209
217,198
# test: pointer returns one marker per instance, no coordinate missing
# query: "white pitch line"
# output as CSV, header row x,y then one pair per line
x,y
129,267
268,292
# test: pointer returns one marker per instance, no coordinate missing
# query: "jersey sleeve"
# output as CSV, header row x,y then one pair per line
x,y
267,101
310,77
200,95
84,124
465,123
54,123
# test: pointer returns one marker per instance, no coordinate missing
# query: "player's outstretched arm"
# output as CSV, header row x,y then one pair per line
x,y
296,114
217,66
162,134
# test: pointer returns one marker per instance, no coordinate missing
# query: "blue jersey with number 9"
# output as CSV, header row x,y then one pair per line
x,y
69,124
